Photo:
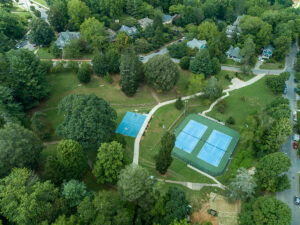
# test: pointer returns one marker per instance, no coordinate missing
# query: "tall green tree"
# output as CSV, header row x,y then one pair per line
x,y
88,119
41,126
24,200
26,78
161,73
110,160
202,63
11,25
164,158
131,70
20,146
106,63
70,155
134,183
84,73
269,172
248,52
58,15
41,33
78,12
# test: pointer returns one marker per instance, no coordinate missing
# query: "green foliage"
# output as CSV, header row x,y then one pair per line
x,y
41,33
222,105
106,63
84,73
26,79
196,83
20,146
265,210
55,50
178,50
202,63
213,90
11,25
88,119
70,155
216,66
248,52
63,220
131,70
58,15
207,30
41,126
73,49
297,67
179,104
161,73
184,62
276,83
180,222
78,12
74,192
110,160
279,108
134,183
230,120
164,157
270,169
53,170
24,200
73,66
108,78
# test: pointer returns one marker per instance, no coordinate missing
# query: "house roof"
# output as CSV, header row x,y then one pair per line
x,y
111,35
200,44
65,37
268,51
129,30
237,21
145,22
234,52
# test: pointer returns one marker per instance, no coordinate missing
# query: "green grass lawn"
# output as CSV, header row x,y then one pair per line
x,y
273,66
44,54
230,62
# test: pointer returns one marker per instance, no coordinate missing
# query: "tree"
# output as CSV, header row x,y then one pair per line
x,y
213,90
55,51
248,52
74,192
196,83
11,25
179,103
216,66
131,70
270,169
88,119
178,50
180,222
84,73
207,30
70,155
242,186
41,33
41,126
184,62
164,158
265,210
25,79
202,63
279,108
78,12
276,84
134,182
106,63
20,146
53,170
161,73
58,15
73,49
110,160
63,220
93,32
24,200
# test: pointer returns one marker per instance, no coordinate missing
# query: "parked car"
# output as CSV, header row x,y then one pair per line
x,y
296,137
294,115
295,89
297,200
157,50
141,58
295,80
295,145
284,90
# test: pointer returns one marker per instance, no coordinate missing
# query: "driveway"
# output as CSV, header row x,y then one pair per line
x,y
288,195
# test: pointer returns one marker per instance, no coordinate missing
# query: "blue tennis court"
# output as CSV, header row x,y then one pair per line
x,y
186,142
195,129
219,139
131,124
211,154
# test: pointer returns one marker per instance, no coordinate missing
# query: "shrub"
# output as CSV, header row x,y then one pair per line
x,y
84,73
179,104
73,66
276,84
41,126
55,51
108,78
230,120
185,62
58,67
221,107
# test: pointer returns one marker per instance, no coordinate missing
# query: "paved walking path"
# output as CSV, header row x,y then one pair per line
x,y
193,186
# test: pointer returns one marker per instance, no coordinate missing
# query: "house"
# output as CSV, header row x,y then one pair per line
x,y
234,54
266,53
130,31
167,19
65,38
111,35
235,28
145,22
200,44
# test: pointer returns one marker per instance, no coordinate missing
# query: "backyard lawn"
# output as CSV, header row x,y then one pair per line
x,y
272,66
230,62
44,53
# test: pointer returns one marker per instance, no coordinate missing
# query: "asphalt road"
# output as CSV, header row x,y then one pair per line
x,y
287,196
26,4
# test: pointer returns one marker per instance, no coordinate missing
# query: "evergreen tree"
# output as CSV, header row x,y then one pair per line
x,y
202,63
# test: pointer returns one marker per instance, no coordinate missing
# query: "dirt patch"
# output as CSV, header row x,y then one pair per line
x,y
227,212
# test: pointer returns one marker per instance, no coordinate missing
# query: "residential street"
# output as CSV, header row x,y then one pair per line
x,y
287,196
26,4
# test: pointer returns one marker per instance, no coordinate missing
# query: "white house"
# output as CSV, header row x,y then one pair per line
x,y
235,28
195,43
145,22
267,52
234,54
130,31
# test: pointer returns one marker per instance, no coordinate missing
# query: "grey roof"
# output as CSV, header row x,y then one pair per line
x,y
131,31
65,38
200,44
237,21
111,35
234,52
167,18
145,22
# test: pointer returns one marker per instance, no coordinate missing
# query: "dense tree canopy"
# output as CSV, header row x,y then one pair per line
x,y
20,146
58,15
88,119
41,33
202,63
78,12
161,73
